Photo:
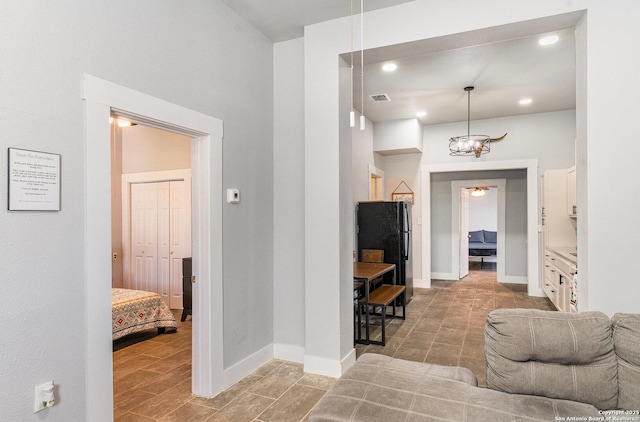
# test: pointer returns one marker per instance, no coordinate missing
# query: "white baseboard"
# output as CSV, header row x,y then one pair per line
x,y
329,367
239,370
288,352
516,279
444,276
423,284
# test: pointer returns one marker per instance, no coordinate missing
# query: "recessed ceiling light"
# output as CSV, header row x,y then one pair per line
x,y
421,114
525,101
548,40
389,67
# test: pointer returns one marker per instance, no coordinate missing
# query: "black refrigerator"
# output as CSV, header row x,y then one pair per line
x,y
387,225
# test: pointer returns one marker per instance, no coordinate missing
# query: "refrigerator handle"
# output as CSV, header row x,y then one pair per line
x,y
406,216
407,246
407,231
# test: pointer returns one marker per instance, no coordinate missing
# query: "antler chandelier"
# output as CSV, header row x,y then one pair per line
x,y
471,144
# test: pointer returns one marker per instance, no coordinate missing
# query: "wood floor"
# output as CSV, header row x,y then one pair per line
x,y
444,325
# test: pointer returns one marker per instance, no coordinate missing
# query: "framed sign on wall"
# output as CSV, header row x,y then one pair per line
x,y
402,196
34,180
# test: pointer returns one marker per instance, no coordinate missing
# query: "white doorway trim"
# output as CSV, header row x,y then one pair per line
x,y
378,174
101,97
531,165
456,185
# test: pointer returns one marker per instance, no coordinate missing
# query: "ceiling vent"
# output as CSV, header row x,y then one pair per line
x,y
380,98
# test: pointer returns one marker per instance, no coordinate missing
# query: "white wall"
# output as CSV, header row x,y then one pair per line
x,y
397,137
549,137
202,57
607,83
608,227
483,211
146,149
363,157
288,210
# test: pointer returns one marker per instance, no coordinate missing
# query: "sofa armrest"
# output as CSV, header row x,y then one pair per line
x,y
626,339
552,354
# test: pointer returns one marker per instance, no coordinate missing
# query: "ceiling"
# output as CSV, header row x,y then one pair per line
x,y
503,64
282,20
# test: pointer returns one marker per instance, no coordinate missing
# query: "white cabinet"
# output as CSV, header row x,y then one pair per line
x,y
572,204
558,237
550,279
557,228
558,274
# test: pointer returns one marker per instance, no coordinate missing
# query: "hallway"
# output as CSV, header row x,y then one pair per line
x,y
445,324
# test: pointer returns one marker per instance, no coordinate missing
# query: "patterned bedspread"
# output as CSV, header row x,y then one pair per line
x,y
137,310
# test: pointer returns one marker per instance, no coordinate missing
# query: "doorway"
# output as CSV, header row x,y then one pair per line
x,y
376,183
460,231
102,98
151,210
532,244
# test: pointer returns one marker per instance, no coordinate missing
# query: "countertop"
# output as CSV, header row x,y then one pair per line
x,y
565,253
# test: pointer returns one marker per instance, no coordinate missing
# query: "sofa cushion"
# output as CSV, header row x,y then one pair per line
x,y
552,354
380,388
476,236
490,236
626,339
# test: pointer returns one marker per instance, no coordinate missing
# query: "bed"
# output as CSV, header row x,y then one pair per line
x,y
483,243
133,311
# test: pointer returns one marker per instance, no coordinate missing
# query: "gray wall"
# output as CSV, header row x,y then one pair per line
x,y
202,57
288,218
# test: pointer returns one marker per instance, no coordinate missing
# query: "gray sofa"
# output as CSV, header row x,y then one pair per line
x,y
541,366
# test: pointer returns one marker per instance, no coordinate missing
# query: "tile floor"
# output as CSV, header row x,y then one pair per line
x,y
444,325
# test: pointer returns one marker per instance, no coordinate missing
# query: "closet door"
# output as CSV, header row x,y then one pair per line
x,y
160,237
144,236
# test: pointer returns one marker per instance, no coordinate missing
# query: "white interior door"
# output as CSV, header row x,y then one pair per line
x,y
464,233
180,237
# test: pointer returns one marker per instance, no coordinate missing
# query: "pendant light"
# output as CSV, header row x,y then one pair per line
x,y
469,144
362,119
352,113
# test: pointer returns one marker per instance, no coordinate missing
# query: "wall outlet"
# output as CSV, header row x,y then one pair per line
x,y
44,396
233,196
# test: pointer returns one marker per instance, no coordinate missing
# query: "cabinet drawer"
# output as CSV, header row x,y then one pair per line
x,y
550,273
550,290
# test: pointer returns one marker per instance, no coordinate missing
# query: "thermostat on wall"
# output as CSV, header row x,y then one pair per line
x,y
233,196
